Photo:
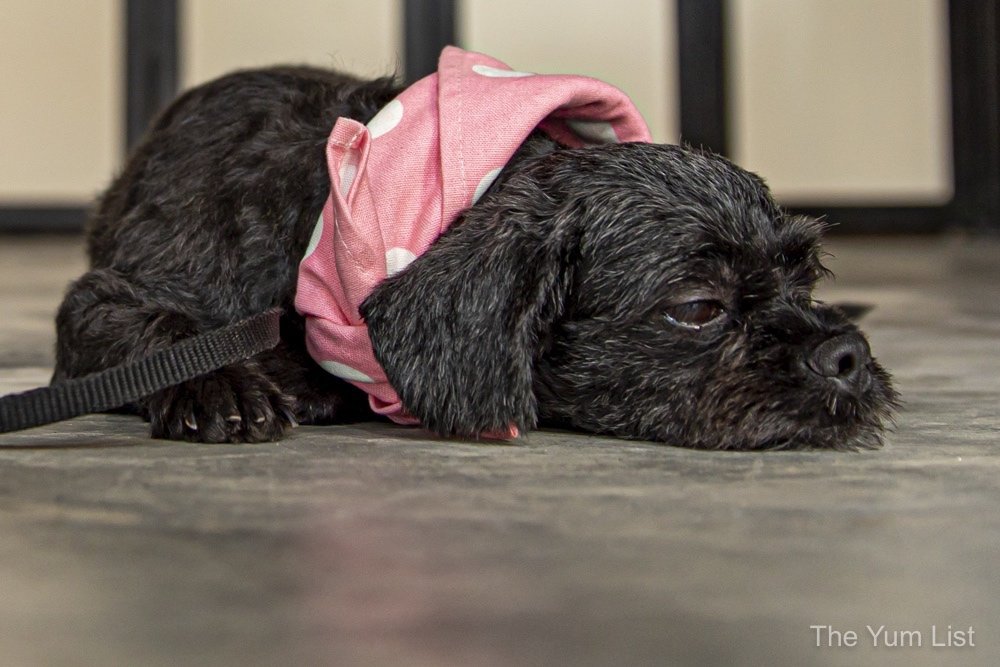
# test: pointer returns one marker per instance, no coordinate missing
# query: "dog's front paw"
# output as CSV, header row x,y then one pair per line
x,y
238,403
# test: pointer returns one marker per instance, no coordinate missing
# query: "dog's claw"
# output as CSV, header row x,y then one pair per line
x,y
190,422
234,419
289,417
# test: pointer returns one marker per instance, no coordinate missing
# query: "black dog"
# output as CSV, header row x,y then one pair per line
x,y
640,290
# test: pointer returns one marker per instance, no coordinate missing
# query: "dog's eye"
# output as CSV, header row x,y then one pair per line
x,y
694,314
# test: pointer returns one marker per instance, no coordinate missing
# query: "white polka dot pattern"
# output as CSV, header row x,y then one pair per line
x,y
497,73
397,259
344,371
485,184
347,173
386,119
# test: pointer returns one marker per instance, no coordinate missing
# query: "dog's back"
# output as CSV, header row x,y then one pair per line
x,y
220,196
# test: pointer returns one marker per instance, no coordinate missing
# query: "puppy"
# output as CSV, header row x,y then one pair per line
x,y
640,290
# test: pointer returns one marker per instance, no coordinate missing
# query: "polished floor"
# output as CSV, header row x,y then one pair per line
x,y
376,545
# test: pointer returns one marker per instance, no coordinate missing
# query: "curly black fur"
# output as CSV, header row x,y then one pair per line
x,y
548,301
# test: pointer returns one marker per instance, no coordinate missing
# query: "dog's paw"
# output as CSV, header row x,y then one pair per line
x,y
235,404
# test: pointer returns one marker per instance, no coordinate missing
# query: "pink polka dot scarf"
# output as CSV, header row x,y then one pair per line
x,y
399,182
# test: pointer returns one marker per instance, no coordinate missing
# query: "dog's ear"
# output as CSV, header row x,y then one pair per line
x,y
458,330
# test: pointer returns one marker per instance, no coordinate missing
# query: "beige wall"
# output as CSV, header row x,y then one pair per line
x,y
629,43
843,99
60,85
223,35
365,38
834,99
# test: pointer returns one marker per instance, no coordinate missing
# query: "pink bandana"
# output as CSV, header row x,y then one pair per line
x,y
399,182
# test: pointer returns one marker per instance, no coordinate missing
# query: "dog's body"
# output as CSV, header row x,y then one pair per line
x,y
640,290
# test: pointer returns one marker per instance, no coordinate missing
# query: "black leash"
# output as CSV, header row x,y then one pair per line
x,y
114,387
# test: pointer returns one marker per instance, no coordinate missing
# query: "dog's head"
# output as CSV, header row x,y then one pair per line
x,y
640,290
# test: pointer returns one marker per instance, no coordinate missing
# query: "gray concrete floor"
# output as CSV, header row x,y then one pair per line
x,y
375,545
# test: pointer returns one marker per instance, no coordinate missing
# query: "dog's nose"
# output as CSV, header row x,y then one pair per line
x,y
844,360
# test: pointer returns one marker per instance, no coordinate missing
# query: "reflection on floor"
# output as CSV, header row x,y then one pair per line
x,y
374,544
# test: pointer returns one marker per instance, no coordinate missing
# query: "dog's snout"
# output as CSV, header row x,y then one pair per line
x,y
844,360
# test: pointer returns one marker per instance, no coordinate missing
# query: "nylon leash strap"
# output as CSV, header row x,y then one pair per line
x,y
114,387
